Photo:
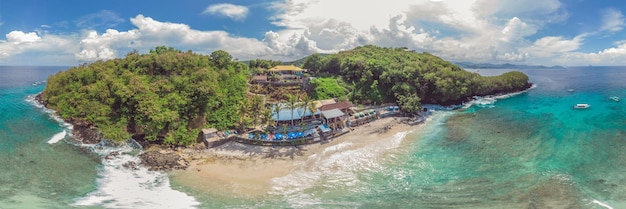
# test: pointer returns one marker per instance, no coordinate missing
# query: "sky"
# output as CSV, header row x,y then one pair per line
x,y
546,32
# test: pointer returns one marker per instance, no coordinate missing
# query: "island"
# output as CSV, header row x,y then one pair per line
x,y
183,99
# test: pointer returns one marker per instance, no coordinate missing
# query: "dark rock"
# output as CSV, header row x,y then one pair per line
x,y
39,99
86,132
111,155
130,165
156,160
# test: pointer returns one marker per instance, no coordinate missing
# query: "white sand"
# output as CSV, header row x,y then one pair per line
x,y
247,171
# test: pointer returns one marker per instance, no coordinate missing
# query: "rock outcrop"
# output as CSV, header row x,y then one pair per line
x,y
159,160
86,132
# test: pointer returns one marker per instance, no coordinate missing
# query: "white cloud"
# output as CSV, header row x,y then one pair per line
x,y
611,56
50,49
100,47
234,12
612,20
21,37
457,30
150,33
475,30
516,29
551,46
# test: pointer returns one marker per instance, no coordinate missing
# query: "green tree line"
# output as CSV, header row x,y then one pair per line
x,y
381,75
166,95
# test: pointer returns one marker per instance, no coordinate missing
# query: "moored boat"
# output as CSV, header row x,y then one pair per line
x,y
581,106
614,98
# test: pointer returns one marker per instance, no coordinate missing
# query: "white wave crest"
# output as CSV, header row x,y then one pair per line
x,y
51,113
132,186
602,204
120,186
57,137
490,101
335,166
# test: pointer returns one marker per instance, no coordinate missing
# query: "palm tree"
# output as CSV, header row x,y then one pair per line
x,y
267,117
306,102
243,111
256,106
313,108
292,103
277,108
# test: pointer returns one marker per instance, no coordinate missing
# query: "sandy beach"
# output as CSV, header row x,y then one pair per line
x,y
248,171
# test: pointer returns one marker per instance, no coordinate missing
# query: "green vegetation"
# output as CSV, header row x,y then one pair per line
x,y
326,88
168,95
381,75
165,95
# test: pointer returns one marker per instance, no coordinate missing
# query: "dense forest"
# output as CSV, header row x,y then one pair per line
x,y
164,95
382,75
168,95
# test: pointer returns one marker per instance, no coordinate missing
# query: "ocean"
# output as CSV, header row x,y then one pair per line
x,y
529,150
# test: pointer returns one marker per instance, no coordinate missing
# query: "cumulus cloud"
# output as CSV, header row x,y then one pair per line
x,y
471,34
612,20
21,37
553,45
457,30
52,48
101,47
150,33
234,12
516,29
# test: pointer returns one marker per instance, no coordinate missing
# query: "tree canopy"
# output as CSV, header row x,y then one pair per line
x,y
165,95
381,75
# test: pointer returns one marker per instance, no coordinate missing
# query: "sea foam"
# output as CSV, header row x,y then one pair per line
x,y
602,204
119,186
57,137
132,186
335,166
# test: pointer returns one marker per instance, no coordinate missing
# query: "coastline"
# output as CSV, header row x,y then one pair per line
x,y
249,171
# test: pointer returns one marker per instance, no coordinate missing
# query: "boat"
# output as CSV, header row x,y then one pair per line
x,y
570,90
581,106
614,98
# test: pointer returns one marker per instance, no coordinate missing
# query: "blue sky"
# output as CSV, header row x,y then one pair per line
x,y
547,32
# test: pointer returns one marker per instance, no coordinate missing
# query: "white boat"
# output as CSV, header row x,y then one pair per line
x,y
581,106
614,98
570,90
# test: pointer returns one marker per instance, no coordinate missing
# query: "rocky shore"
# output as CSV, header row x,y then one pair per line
x,y
167,158
155,157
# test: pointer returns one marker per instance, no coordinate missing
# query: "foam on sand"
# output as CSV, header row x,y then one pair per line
x,y
132,186
336,166
57,137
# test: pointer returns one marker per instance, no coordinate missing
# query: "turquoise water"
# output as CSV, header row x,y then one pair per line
x,y
531,150
33,173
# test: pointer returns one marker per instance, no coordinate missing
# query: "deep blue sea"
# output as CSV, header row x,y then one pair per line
x,y
530,150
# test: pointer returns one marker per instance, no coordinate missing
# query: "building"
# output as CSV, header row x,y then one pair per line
x,y
210,137
285,116
344,106
287,70
334,118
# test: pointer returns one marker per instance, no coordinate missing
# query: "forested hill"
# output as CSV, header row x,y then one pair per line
x,y
165,95
379,75
169,95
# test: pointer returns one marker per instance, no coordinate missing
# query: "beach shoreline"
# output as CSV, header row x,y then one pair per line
x,y
249,171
